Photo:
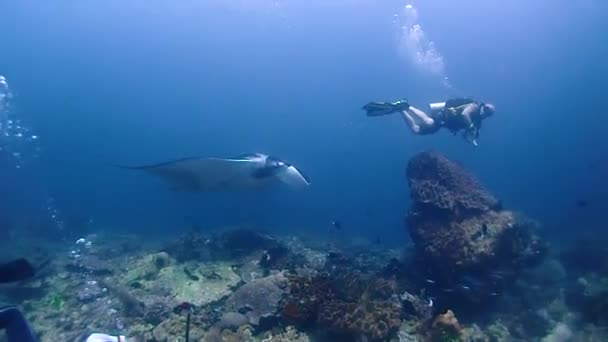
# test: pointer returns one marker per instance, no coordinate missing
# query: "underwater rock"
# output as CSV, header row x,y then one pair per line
x,y
458,226
314,259
189,246
242,242
175,327
131,305
589,296
416,307
89,291
232,320
290,334
90,264
280,258
444,187
259,299
149,266
196,283
243,333
156,308
262,263
560,333
249,268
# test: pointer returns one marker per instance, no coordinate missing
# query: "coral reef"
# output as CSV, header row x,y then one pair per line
x,y
175,327
446,328
457,225
345,302
444,186
292,289
373,319
289,334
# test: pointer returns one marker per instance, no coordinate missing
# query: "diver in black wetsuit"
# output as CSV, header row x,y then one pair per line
x,y
11,319
454,114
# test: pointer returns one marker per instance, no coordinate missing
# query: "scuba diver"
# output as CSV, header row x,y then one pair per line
x,y
455,114
11,319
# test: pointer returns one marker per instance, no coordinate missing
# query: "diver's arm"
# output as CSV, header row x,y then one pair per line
x,y
471,136
467,114
471,131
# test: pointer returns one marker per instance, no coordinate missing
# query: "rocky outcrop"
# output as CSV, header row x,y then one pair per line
x,y
443,186
259,299
458,225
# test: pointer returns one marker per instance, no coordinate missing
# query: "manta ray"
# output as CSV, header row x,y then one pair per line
x,y
245,172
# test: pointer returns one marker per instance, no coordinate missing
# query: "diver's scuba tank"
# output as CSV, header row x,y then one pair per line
x,y
437,107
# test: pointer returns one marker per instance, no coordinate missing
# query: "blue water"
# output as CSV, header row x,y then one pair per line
x,y
138,82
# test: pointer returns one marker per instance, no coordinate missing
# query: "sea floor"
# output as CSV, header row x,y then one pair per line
x,y
243,285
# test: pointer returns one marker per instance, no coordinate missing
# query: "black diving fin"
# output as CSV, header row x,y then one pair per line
x,y
385,108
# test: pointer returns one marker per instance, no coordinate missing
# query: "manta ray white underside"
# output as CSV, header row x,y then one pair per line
x,y
246,172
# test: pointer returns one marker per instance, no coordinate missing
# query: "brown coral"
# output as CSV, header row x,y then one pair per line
x,y
442,184
459,245
446,327
457,225
372,319
305,297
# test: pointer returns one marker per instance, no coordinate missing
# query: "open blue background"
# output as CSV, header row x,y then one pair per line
x,y
136,82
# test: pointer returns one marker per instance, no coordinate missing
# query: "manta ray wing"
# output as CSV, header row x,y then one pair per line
x,y
293,177
206,174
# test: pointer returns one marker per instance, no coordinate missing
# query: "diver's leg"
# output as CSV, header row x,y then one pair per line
x,y
17,329
420,115
411,123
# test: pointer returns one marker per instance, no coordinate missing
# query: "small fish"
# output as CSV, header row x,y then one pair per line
x,y
581,203
336,224
464,287
190,275
448,290
212,275
377,241
497,275
430,281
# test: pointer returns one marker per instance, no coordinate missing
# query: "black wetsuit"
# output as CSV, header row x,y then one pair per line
x,y
448,120
16,326
11,320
